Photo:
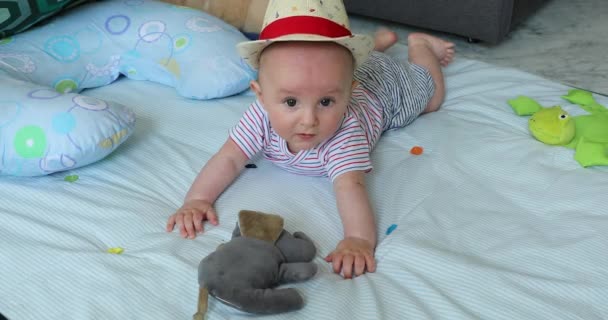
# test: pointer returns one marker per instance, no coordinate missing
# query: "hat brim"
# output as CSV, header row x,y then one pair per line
x,y
359,45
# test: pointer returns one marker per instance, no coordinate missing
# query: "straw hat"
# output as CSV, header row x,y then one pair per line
x,y
306,20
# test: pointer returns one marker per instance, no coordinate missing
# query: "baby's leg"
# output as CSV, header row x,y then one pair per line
x,y
384,39
431,53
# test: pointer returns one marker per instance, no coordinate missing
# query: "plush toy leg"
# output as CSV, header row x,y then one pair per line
x,y
524,106
203,301
297,271
260,301
589,153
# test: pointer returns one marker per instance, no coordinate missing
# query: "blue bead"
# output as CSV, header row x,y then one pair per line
x,y
391,229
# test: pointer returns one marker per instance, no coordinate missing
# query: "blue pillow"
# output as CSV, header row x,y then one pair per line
x,y
43,131
93,44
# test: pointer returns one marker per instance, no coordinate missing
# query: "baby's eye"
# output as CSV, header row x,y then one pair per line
x,y
563,116
326,102
291,102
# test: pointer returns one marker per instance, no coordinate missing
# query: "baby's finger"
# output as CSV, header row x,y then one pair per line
x,y
347,266
337,263
189,226
212,216
329,257
198,221
170,223
359,265
182,227
370,261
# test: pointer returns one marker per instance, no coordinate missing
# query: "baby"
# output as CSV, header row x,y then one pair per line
x,y
323,102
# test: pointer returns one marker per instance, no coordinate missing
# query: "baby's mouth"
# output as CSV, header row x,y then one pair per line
x,y
306,136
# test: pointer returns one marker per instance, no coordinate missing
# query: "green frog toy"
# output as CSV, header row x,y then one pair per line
x,y
586,134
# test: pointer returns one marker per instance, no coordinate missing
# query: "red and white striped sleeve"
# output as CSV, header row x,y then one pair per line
x,y
249,133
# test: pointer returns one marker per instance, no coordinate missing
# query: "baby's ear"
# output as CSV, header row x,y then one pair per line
x,y
255,87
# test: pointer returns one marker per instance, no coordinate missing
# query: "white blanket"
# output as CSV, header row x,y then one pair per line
x,y
491,224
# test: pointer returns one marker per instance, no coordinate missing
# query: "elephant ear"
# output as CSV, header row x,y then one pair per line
x,y
259,225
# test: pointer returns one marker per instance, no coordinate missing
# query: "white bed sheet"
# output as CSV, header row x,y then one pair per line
x,y
491,224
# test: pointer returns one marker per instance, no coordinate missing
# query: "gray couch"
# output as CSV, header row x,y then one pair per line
x,y
485,20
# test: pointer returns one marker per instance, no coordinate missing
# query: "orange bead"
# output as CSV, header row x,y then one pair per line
x,y
417,150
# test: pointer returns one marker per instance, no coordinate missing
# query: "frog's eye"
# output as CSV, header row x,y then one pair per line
x,y
563,116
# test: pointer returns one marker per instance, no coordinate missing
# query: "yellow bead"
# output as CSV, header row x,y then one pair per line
x,y
116,250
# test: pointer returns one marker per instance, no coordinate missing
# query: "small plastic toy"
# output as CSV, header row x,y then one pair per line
x,y
71,178
416,150
587,134
115,250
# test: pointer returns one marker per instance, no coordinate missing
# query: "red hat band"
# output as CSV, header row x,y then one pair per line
x,y
304,25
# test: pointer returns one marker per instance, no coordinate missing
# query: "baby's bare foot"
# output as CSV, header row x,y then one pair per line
x,y
443,50
384,39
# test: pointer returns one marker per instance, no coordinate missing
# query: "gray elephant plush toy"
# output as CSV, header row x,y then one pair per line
x,y
261,255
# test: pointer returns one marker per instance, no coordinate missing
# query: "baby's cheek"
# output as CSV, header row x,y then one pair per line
x,y
337,118
285,129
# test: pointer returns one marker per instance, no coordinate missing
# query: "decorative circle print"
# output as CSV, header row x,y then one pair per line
x,y
106,70
199,24
151,31
67,161
9,110
63,48
64,122
54,162
30,142
117,24
66,85
181,42
43,94
18,62
131,72
90,103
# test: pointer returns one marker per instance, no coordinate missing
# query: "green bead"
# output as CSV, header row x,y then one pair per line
x,y
71,178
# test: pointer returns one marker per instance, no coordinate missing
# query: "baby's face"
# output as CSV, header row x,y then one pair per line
x,y
305,89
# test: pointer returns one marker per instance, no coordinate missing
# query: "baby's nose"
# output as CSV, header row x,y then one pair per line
x,y
309,117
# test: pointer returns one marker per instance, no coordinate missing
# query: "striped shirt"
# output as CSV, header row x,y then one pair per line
x,y
391,95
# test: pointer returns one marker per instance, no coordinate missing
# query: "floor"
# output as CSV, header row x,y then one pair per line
x,y
565,41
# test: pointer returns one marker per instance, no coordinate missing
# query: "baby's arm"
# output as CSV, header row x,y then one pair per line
x,y
219,172
357,248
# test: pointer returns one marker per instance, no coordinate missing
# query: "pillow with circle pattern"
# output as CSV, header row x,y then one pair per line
x,y
92,44
43,131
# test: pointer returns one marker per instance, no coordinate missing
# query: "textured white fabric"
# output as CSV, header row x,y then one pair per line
x,y
491,224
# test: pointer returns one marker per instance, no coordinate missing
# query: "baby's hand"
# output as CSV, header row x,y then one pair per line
x,y
353,252
190,218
